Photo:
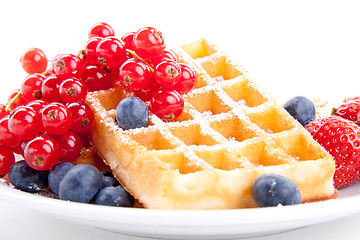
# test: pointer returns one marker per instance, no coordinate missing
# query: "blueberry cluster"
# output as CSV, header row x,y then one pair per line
x,y
78,183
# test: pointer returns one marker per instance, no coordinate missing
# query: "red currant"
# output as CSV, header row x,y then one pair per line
x,y
31,86
101,29
19,100
167,73
167,55
67,66
90,51
85,138
54,61
70,146
34,61
37,105
42,153
167,104
96,77
50,89
56,119
149,43
111,52
146,93
3,111
7,159
25,123
7,138
187,79
127,38
83,116
134,74
72,90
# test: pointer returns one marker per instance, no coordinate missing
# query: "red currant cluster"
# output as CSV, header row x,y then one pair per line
x,y
155,74
45,120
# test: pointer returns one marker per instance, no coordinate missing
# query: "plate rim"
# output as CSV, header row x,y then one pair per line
x,y
189,224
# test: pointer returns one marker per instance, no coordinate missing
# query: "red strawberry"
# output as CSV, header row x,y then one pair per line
x,y
341,138
349,109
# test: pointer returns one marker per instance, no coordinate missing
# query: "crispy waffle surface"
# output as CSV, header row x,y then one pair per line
x,y
229,133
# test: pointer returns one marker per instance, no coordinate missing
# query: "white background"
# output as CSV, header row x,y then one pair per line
x,y
309,48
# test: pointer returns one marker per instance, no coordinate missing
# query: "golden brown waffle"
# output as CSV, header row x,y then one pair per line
x,y
228,134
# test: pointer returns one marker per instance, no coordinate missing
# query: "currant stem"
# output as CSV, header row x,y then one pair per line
x,y
46,71
15,98
133,53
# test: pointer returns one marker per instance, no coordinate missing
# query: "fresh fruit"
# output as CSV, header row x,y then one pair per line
x,y
25,123
349,109
301,108
114,196
273,190
34,61
187,79
96,78
72,90
127,38
90,51
50,89
42,153
7,159
167,73
82,116
16,99
68,66
111,52
167,104
134,74
101,29
69,145
3,111
341,138
31,86
149,43
80,183
37,105
46,119
26,178
57,173
7,138
108,180
167,55
56,118
131,113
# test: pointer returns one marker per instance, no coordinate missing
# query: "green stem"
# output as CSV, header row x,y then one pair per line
x,y
133,53
46,71
15,98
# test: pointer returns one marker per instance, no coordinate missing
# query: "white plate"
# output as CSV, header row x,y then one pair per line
x,y
213,224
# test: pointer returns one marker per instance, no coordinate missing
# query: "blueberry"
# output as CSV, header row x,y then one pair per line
x,y
25,178
302,109
57,173
131,113
80,183
272,190
108,180
114,196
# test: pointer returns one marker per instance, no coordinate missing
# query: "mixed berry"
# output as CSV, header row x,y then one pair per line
x,y
47,120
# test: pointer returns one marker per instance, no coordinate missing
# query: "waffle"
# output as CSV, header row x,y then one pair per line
x,y
229,133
